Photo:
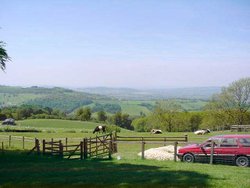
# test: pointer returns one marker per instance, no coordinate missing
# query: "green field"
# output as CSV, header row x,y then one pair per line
x,y
135,107
19,170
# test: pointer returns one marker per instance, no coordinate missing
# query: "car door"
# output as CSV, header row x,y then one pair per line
x,y
244,146
227,149
204,151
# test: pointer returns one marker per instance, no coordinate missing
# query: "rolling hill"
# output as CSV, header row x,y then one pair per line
x,y
130,101
59,98
201,93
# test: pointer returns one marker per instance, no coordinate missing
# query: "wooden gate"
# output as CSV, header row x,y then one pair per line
x,y
53,148
74,151
100,146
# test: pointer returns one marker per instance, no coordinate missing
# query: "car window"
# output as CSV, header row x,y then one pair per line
x,y
208,144
228,142
245,142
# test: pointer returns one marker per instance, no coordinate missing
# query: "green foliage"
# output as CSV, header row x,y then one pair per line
x,y
108,107
165,113
113,128
18,129
149,106
140,124
195,121
4,57
62,101
102,116
232,103
28,111
122,120
84,114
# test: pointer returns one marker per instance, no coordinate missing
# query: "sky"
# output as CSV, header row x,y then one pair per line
x,y
125,43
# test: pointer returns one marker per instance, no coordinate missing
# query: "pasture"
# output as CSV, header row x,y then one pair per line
x,y
19,170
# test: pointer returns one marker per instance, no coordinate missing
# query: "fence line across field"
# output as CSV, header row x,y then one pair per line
x,y
95,146
9,139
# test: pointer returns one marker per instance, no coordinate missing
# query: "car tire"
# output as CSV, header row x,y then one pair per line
x,y
242,161
188,157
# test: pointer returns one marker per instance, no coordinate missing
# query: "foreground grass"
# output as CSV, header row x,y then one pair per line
x,y
19,170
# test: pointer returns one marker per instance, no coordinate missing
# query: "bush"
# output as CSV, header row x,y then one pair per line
x,y
112,128
18,129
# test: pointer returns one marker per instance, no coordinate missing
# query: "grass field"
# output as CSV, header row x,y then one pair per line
x,y
135,107
19,170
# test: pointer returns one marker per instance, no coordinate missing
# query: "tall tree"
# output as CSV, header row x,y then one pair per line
x,y
102,116
84,114
3,56
165,113
234,100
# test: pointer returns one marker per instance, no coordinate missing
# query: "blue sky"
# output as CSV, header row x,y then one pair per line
x,y
127,43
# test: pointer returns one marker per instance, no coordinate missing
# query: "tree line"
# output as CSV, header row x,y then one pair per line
x,y
82,114
227,108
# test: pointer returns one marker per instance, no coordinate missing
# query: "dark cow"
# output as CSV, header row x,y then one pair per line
x,y
100,128
9,121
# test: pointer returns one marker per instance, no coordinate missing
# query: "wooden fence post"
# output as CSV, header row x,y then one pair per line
x,y
175,151
2,147
96,146
52,149
81,150
142,149
23,142
66,142
90,147
43,147
115,143
9,140
212,152
85,148
60,149
186,138
110,149
37,146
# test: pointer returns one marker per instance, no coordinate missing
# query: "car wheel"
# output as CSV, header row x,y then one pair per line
x,y
242,161
188,157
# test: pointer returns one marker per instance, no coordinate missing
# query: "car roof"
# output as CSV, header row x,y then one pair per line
x,y
232,136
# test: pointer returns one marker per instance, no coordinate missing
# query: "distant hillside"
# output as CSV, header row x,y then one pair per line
x,y
64,99
202,93
131,101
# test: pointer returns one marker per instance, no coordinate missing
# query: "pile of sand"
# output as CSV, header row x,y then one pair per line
x,y
161,153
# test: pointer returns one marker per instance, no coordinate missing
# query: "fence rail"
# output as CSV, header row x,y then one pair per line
x,y
240,128
95,147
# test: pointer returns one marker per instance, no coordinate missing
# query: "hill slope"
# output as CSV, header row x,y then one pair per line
x,y
64,99
202,93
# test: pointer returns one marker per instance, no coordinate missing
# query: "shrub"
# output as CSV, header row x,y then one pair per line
x,y
111,128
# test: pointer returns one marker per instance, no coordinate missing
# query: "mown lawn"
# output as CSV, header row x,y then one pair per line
x,y
19,170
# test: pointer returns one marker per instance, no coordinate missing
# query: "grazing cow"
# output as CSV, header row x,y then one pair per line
x,y
156,131
9,121
100,128
202,132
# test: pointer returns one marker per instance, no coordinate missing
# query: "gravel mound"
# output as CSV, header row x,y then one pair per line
x,y
161,153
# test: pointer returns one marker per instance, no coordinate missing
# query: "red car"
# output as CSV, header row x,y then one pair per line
x,y
227,148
